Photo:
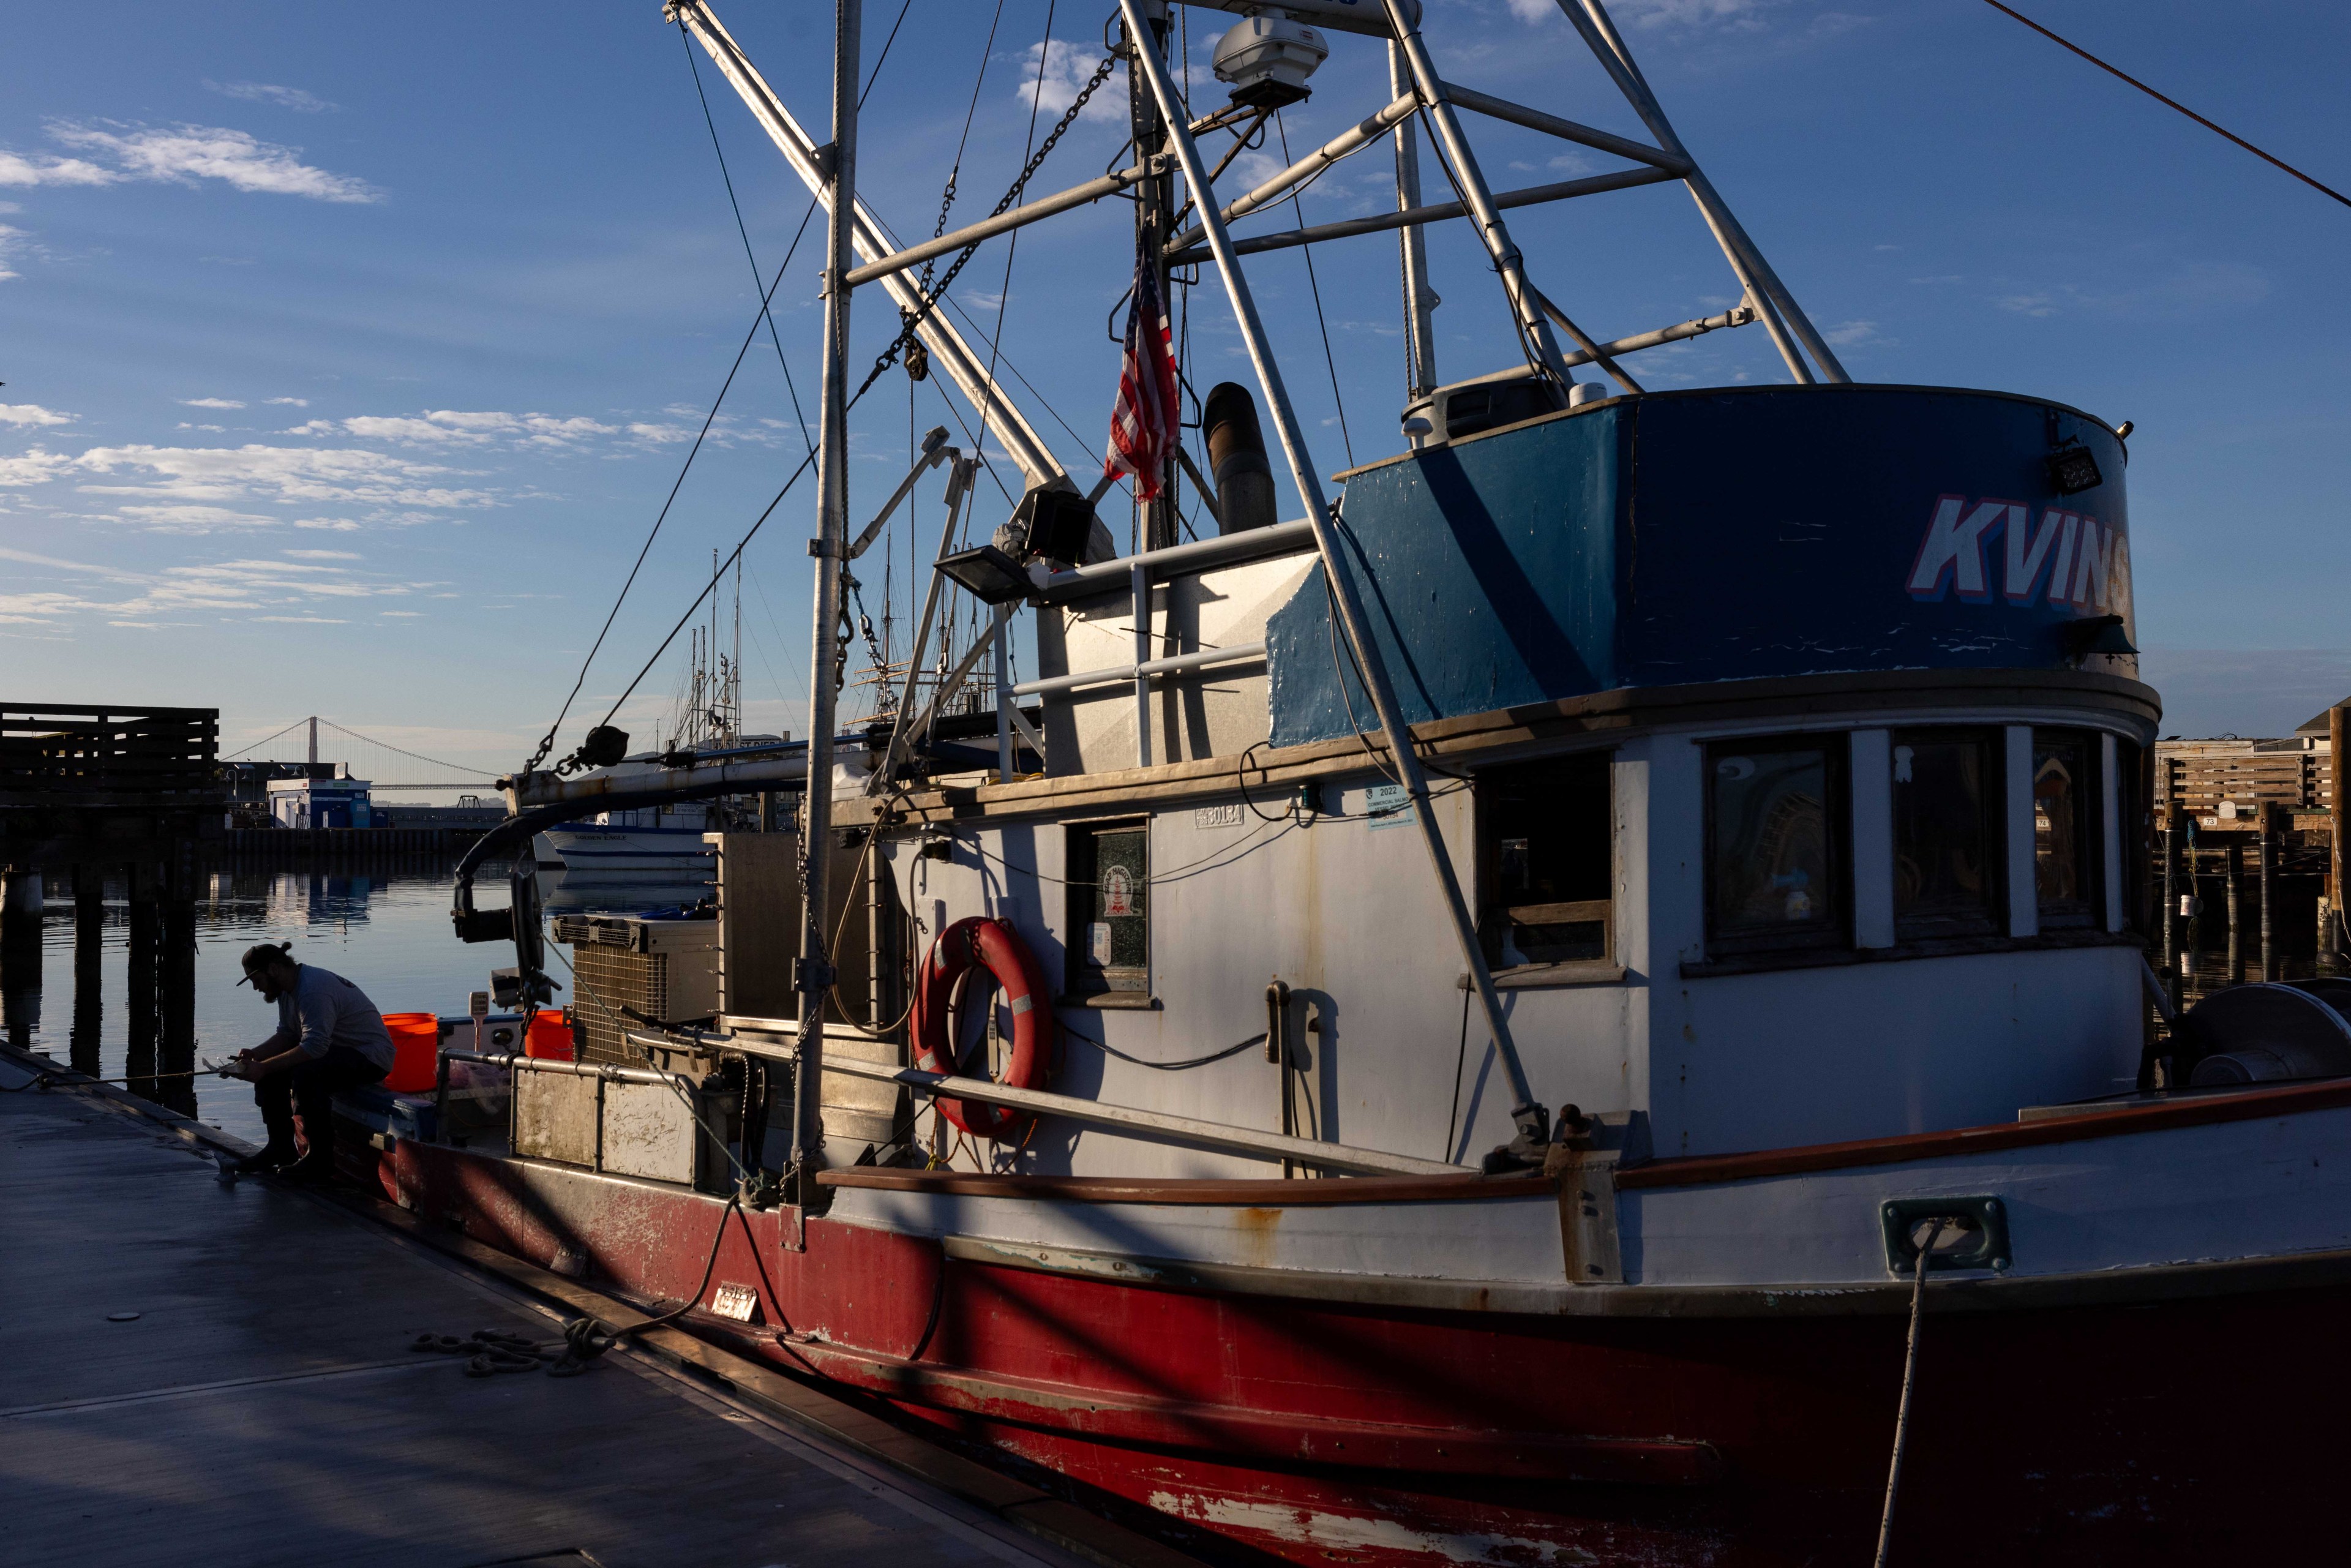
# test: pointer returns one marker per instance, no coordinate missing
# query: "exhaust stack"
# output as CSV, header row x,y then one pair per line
x,y
1237,459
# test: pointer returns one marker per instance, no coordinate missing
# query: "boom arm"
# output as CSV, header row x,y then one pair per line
x,y
946,346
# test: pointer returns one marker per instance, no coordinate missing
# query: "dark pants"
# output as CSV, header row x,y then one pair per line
x,y
308,1087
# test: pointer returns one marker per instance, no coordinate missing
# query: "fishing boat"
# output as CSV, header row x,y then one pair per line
x,y
1552,1010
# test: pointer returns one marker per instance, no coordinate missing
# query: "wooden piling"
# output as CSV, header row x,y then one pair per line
x,y
2232,865
146,934
2330,923
90,966
178,980
2265,845
2171,888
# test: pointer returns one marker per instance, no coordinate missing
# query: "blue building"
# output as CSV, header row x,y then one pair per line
x,y
321,803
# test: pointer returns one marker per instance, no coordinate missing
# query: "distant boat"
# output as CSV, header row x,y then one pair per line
x,y
596,855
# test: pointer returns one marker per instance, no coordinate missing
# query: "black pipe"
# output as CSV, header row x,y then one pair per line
x,y
1245,498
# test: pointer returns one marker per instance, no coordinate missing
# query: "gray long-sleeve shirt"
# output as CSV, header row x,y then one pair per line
x,y
324,1010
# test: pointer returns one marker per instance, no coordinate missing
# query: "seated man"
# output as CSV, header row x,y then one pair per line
x,y
329,1037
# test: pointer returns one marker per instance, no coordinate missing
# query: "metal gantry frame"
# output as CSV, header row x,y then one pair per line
x,y
1419,92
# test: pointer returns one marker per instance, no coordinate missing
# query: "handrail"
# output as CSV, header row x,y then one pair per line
x,y
1174,561
1175,664
1137,1122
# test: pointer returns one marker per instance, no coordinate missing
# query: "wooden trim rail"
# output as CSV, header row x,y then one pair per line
x,y
2149,1115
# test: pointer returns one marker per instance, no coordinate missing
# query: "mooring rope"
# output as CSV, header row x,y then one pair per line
x,y
1909,1378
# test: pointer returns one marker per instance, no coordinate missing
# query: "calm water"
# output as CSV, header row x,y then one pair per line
x,y
386,928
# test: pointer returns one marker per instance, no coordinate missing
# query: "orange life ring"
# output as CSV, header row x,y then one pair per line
x,y
993,946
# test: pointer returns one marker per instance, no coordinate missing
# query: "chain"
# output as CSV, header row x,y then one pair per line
x,y
931,296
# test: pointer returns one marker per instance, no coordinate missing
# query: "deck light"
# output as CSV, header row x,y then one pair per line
x,y
2100,636
992,576
2074,469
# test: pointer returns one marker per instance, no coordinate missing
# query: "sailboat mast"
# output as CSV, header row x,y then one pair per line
x,y
1154,220
814,978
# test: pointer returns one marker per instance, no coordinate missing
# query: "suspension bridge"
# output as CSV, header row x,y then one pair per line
x,y
377,761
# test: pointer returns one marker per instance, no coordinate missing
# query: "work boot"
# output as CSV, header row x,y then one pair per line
x,y
268,1158
316,1168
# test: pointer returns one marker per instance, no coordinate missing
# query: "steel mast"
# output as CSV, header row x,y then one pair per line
x,y
1155,221
813,975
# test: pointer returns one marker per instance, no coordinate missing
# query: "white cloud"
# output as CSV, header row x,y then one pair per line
x,y
288,401
184,153
322,554
660,434
464,426
292,98
211,402
31,413
378,427
331,525
284,591
403,614
35,468
1068,67
18,170
185,518
12,241
1857,335
1743,15
216,476
301,619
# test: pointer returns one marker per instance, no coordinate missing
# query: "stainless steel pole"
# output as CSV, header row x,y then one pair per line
x,y
1772,296
1507,262
1534,1121
947,348
814,978
1003,639
1419,300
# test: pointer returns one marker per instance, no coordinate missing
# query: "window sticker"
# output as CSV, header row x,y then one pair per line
x,y
1118,890
1098,943
1388,806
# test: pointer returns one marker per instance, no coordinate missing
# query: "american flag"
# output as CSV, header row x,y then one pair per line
x,y
1145,426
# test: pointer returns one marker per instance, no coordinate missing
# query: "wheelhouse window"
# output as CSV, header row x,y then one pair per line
x,y
1947,833
1547,862
2065,841
1110,909
1776,827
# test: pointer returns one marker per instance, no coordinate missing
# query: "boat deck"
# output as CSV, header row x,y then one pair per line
x,y
263,1405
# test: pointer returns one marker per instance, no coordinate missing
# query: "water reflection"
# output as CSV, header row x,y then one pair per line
x,y
384,925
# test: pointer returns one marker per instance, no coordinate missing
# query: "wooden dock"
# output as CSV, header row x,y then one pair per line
x,y
203,1372
2247,858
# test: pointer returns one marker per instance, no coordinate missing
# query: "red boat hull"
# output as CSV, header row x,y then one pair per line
x,y
2189,1430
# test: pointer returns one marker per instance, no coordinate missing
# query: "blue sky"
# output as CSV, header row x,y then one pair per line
x,y
350,351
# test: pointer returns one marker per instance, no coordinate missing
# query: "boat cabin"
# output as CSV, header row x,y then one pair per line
x,y
1787,741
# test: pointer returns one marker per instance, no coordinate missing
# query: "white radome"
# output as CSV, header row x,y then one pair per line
x,y
1269,47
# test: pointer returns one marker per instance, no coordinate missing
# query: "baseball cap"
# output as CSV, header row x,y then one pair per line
x,y
261,954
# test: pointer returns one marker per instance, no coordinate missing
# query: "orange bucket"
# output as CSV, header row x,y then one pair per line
x,y
549,1038
416,1051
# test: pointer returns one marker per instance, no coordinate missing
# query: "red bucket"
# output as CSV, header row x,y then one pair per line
x,y
550,1038
416,1051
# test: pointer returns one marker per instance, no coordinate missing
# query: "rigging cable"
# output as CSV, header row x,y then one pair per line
x,y
372,740
2174,103
1012,245
266,739
1298,211
686,39
548,742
